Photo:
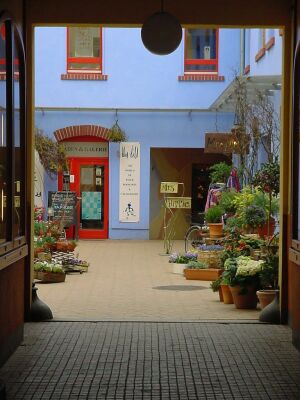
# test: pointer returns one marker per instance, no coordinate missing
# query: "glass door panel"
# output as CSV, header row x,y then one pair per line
x,y
92,197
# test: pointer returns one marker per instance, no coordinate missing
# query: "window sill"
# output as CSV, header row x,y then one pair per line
x,y
201,78
260,54
270,43
75,76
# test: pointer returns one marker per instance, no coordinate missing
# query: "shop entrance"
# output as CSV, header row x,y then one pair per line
x,y
90,182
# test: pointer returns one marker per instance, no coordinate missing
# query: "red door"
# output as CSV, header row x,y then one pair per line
x,y
89,179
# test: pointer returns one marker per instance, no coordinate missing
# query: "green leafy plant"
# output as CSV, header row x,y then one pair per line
x,y
116,134
269,272
214,215
220,172
216,284
196,265
52,154
44,266
227,201
254,216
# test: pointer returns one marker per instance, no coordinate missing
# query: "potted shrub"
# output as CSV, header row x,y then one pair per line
x,y
220,172
254,217
267,180
243,276
213,218
268,280
216,287
49,272
198,270
180,260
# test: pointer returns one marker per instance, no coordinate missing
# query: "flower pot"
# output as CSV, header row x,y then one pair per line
x,y
263,231
205,274
178,268
210,257
244,300
51,277
227,296
221,294
62,246
266,297
215,230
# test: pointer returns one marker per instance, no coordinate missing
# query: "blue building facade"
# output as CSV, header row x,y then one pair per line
x,y
161,102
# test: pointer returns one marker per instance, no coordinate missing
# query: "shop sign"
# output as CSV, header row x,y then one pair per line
x,y
85,149
222,143
169,187
63,207
129,195
178,202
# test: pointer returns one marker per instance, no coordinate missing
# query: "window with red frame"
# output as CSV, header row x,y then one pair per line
x,y
201,51
84,49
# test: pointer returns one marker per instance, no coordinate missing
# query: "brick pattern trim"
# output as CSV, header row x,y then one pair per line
x,y
81,130
270,43
201,78
83,77
260,54
247,69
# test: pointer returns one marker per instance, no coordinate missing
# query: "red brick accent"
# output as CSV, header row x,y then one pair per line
x,y
198,77
72,76
3,76
81,130
247,69
260,54
270,43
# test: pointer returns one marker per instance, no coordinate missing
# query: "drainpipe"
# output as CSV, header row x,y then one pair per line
x,y
242,51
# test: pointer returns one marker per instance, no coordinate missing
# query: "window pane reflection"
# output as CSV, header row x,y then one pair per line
x,y
18,159
3,139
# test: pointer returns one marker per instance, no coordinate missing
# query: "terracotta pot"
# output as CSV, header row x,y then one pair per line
x,y
206,274
227,296
266,297
263,230
215,230
221,294
247,300
62,246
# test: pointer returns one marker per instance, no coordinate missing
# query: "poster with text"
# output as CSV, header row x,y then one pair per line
x,y
129,200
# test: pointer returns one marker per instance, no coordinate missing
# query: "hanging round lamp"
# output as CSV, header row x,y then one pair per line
x,y
161,33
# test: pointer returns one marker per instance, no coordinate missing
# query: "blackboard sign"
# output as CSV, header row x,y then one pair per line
x,y
63,205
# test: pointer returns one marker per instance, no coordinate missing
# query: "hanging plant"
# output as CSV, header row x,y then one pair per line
x,y
116,134
52,154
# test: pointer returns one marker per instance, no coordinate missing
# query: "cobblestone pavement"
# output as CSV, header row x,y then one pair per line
x,y
130,280
143,360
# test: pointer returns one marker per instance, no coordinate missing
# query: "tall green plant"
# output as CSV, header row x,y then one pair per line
x,y
220,172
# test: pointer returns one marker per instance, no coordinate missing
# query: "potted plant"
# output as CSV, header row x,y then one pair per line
x,y
198,270
49,272
242,275
180,260
254,217
210,254
268,280
227,203
267,180
213,218
216,287
220,172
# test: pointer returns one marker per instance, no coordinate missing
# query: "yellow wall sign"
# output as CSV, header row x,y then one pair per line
x,y
178,202
169,187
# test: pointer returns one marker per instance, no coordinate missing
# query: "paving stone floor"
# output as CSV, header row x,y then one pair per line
x,y
144,360
131,280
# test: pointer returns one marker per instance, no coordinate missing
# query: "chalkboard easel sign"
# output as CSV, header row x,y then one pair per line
x,y
63,205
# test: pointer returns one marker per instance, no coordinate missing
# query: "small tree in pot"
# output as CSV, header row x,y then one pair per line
x,y
213,218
